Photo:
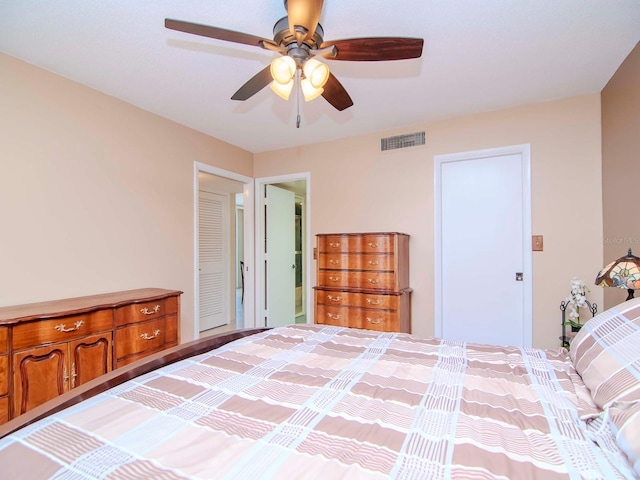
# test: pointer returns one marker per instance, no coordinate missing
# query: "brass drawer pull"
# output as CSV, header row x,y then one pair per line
x,y
65,374
333,317
334,279
374,302
334,244
146,336
373,281
146,311
73,375
63,327
334,262
375,321
331,298
373,263
373,245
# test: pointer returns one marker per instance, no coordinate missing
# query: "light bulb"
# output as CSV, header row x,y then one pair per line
x,y
316,72
283,68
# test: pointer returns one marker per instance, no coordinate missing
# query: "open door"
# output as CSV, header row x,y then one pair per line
x,y
280,261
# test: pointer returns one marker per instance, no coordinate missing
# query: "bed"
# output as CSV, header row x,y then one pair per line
x,y
311,401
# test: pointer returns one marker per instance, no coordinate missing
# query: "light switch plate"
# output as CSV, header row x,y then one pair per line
x,y
537,243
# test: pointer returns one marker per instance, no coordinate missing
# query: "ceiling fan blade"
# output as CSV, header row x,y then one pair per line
x,y
303,13
335,94
376,48
254,84
218,33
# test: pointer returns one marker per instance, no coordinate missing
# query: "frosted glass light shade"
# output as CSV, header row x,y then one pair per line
x,y
283,69
309,91
283,90
316,72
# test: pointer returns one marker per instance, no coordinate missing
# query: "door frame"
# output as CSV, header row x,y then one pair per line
x,y
524,150
249,275
259,223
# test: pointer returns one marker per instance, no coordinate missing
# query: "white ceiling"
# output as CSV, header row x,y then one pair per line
x,y
479,55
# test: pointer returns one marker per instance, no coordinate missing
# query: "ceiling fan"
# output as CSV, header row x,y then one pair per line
x,y
298,38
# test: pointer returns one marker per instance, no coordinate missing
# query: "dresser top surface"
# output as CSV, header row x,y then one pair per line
x,y
68,306
360,234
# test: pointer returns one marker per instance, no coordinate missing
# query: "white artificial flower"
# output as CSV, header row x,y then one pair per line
x,y
577,298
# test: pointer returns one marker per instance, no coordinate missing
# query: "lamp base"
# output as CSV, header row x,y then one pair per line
x,y
630,296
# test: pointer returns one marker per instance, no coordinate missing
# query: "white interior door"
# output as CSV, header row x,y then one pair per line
x,y
483,259
280,256
213,254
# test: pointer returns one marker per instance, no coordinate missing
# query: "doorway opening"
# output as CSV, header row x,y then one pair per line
x,y
283,251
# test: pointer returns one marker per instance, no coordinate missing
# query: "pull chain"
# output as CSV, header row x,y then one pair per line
x,y
298,98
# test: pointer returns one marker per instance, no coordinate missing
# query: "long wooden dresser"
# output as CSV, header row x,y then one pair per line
x,y
48,348
363,281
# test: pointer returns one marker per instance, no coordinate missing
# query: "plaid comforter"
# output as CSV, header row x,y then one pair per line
x,y
309,401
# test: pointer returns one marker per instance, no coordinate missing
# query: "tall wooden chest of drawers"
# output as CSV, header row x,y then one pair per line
x,y
363,281
49,348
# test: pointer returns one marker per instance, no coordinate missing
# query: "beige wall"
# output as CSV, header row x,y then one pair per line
x,y
95,194
355,187
620,164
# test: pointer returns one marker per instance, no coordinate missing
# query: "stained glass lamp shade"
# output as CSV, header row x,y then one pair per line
x,y
623,273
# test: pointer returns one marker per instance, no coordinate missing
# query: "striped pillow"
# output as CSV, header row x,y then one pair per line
x,y
606,354
624,420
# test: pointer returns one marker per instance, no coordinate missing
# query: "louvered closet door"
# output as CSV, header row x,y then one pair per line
x,y
213,251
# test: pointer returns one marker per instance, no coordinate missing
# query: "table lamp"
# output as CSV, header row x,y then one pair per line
x,y
622,273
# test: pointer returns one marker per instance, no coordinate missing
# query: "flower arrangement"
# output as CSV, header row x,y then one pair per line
x,y
576,299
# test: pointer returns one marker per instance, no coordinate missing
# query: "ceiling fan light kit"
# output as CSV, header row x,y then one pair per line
x,y
298,38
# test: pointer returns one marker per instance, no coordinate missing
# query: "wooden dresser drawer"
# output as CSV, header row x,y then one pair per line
x,y
4,375
356,299
43,332
356,243
135,341
329,315
381,320
4,344
364,261
355,279
139,312
377,243
337,244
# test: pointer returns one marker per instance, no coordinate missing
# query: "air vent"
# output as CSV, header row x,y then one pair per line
x,y
402,141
